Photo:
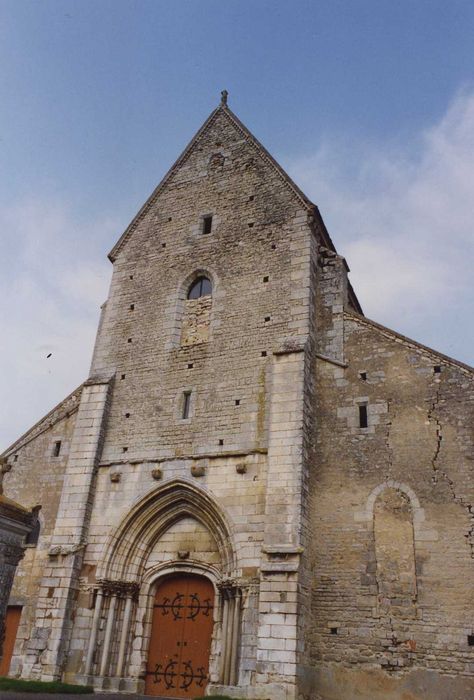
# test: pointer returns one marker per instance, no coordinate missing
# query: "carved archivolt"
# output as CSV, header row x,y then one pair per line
x,y
128,548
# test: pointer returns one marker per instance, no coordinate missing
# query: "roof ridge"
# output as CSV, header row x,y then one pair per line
x,y
409,341
23,438
268,157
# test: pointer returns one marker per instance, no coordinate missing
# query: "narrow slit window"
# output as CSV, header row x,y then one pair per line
x,y
186,404
207,224
363,416
57,448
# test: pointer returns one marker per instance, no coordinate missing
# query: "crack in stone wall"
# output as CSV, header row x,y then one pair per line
x,y
433,417
389,447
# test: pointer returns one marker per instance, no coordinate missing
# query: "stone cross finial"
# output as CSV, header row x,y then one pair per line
x,y
224,95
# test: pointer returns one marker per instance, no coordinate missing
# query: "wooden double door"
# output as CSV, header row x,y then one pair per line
x,y
180,644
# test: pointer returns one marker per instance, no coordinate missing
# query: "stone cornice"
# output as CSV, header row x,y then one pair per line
x,y
122,589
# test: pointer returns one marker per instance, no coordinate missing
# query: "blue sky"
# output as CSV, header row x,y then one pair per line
x,y
369,104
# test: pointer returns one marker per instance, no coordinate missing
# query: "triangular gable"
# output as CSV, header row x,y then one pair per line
x,y
408,342
222,109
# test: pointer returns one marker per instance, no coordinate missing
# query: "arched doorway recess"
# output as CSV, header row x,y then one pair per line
x,y
141,555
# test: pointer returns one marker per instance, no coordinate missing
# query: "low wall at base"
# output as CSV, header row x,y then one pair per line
x,y
338,682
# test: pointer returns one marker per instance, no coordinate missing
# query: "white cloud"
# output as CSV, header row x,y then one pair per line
x,y
54,278
403,216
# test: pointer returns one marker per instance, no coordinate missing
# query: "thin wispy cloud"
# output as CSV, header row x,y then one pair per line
x,y
403,216
52,285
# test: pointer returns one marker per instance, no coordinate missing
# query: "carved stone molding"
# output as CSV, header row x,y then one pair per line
x,y
55,551
122,589
12,555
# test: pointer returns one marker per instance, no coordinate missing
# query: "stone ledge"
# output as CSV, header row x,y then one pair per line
x,y
282,549
278,567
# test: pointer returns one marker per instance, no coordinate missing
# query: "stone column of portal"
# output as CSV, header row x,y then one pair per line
x,y
54,614
235,638
124,635
224,639
109,628
94,631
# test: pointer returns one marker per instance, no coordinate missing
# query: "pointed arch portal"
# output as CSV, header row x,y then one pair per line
x,y
132,602
129,546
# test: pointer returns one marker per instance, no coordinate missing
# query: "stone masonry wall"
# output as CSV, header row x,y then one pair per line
x,y
393,552
35,478
257,257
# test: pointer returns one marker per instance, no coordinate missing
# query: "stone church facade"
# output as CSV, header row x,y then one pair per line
x,y
257,491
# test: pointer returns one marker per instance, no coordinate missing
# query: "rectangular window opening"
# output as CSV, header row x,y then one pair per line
x,y
206,224
437,369
470,640
333,630
57,448
186,404
363,376
363,423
